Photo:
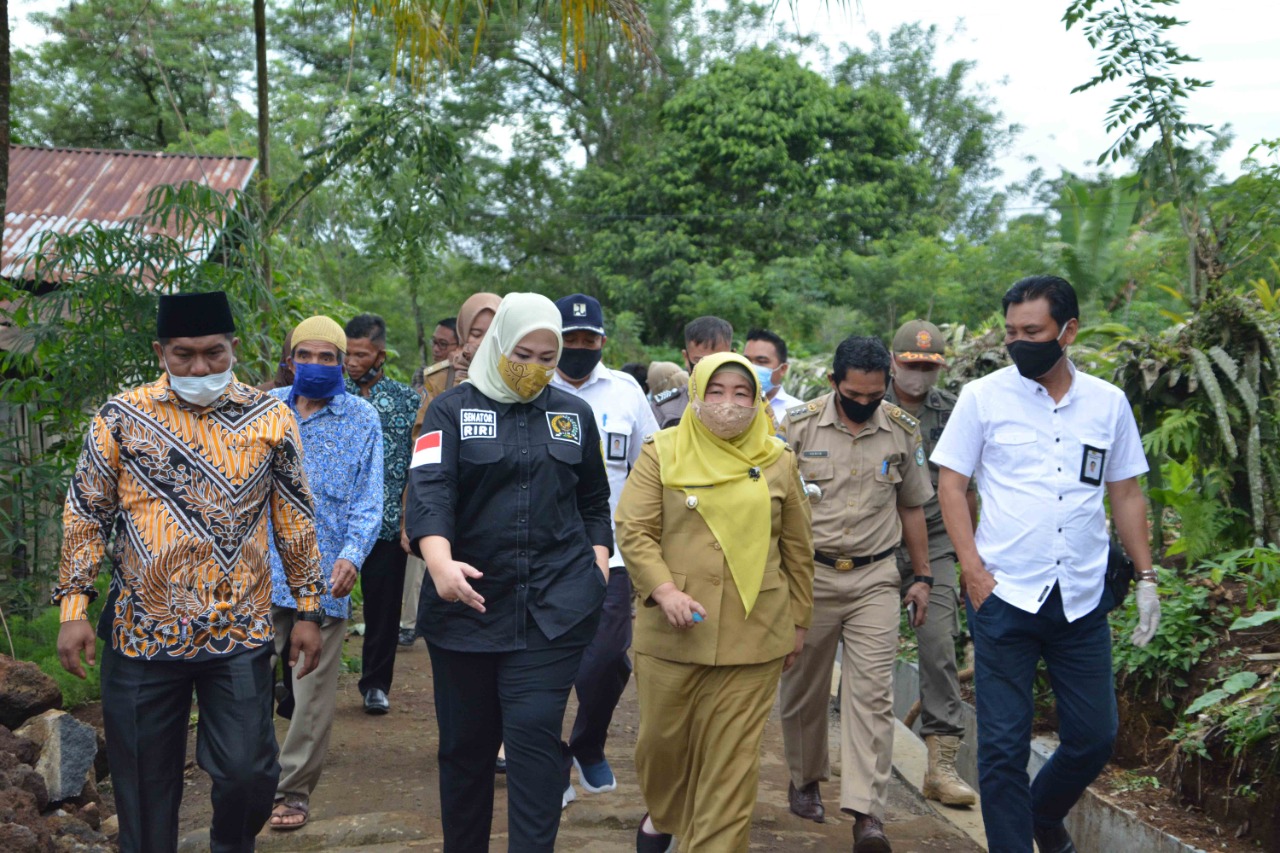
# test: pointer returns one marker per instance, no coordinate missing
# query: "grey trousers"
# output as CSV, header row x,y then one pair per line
x,y
936,643
303,749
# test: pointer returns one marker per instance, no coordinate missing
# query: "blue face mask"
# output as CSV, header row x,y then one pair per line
x,y
766,378
317,381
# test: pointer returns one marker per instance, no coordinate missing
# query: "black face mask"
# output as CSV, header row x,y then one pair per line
x,y
1035,358
577,363
857,412
370,377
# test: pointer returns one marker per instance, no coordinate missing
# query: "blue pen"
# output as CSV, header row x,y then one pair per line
x,y
884,467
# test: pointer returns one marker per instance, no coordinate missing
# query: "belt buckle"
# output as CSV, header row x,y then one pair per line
x,y
844,564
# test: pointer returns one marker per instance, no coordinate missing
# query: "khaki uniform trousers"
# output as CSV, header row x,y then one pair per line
x,y
698,749
860,607
304,747
414,571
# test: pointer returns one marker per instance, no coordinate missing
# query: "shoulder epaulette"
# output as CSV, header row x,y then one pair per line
x,y
648,439
901,418
808,410
437,367
669,394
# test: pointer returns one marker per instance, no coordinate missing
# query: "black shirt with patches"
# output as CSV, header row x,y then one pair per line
x,y
521,493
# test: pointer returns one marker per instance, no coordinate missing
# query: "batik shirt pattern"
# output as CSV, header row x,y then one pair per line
x,y
342,455
397,405
187,492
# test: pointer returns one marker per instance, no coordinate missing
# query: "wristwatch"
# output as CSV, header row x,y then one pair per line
x,y
1149,576
927,580
316,616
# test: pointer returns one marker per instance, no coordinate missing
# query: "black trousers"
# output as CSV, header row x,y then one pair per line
x,y
484,699
382,581
146,706
604,672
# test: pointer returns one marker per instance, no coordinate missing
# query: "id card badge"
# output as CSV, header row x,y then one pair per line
x,y
616,446
1092,465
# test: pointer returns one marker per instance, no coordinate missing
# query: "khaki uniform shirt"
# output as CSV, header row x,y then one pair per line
x,y
669,406
437,379
864,478
664,540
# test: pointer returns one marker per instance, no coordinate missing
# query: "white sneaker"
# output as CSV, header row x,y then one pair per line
x,y
569,796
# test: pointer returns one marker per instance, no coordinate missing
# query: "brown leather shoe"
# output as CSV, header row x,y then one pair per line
x,y
806,802
868,835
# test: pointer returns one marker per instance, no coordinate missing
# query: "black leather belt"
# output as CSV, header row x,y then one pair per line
x,y
844,564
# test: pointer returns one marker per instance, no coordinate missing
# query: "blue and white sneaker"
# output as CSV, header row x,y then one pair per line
x,y
569,796
596,778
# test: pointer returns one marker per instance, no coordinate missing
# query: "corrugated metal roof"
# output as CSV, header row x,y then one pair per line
x,y
63,189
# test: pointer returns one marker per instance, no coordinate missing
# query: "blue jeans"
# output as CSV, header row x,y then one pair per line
x,y
1008,642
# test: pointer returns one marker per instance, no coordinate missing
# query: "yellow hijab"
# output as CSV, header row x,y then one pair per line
x,y
718,473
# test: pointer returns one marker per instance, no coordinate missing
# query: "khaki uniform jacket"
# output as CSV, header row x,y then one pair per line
x,y
669,406
864,478
663,540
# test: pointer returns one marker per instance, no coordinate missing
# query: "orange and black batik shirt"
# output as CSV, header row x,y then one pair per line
x,y
188,492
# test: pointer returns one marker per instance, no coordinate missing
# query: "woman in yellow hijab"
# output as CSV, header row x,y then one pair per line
x,y
714,527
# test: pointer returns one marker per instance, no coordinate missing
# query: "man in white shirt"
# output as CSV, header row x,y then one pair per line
x,y
624,417
768,352
1046,443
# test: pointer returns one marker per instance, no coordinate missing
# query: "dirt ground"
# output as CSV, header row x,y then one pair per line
x,y
379,791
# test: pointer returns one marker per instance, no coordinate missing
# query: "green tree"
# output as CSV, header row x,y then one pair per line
x,y
131,73
962,131
759,160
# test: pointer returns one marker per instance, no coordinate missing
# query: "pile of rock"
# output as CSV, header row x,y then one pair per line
x,y
49,799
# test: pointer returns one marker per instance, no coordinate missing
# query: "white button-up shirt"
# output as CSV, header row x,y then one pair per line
x,y
781,402
1041,467
624,417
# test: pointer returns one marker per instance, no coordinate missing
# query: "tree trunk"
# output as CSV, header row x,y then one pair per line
x,y
4,109
264,127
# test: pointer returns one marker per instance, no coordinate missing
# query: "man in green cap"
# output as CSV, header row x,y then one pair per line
x,y
919,356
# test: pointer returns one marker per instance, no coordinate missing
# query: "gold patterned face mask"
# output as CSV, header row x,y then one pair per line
x,y
526,380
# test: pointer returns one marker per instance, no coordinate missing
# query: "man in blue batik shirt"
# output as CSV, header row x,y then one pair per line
x,y
382,578
342,455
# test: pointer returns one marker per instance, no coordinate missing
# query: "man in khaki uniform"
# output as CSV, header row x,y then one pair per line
x,y
919,356
867,458
437,377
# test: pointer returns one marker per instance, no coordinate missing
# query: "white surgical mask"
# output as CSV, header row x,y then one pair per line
x,y
200,390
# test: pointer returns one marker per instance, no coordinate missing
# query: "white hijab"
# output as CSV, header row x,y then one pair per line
x,y
518,315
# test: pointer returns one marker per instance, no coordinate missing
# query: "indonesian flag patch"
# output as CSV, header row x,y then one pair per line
x,y
426,451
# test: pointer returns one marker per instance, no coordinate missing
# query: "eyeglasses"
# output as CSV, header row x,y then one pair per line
x,y
441,343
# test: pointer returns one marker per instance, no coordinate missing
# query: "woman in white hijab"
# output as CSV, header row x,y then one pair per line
x,y
509,507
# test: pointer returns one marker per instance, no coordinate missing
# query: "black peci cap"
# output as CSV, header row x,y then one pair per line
x,y
194,315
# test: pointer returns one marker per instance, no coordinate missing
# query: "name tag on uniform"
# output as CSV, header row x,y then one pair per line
x,y
1092,464
477,423
815,454
617,446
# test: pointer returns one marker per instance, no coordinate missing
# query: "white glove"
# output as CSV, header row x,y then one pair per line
x,y
1148,613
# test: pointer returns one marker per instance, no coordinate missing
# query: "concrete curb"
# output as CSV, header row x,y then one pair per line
x,y
1096,824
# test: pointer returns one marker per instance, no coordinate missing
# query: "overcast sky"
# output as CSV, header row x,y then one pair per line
x,y
1031,63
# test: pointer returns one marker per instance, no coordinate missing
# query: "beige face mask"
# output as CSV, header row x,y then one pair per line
x,y
917,383
724,420
526,380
